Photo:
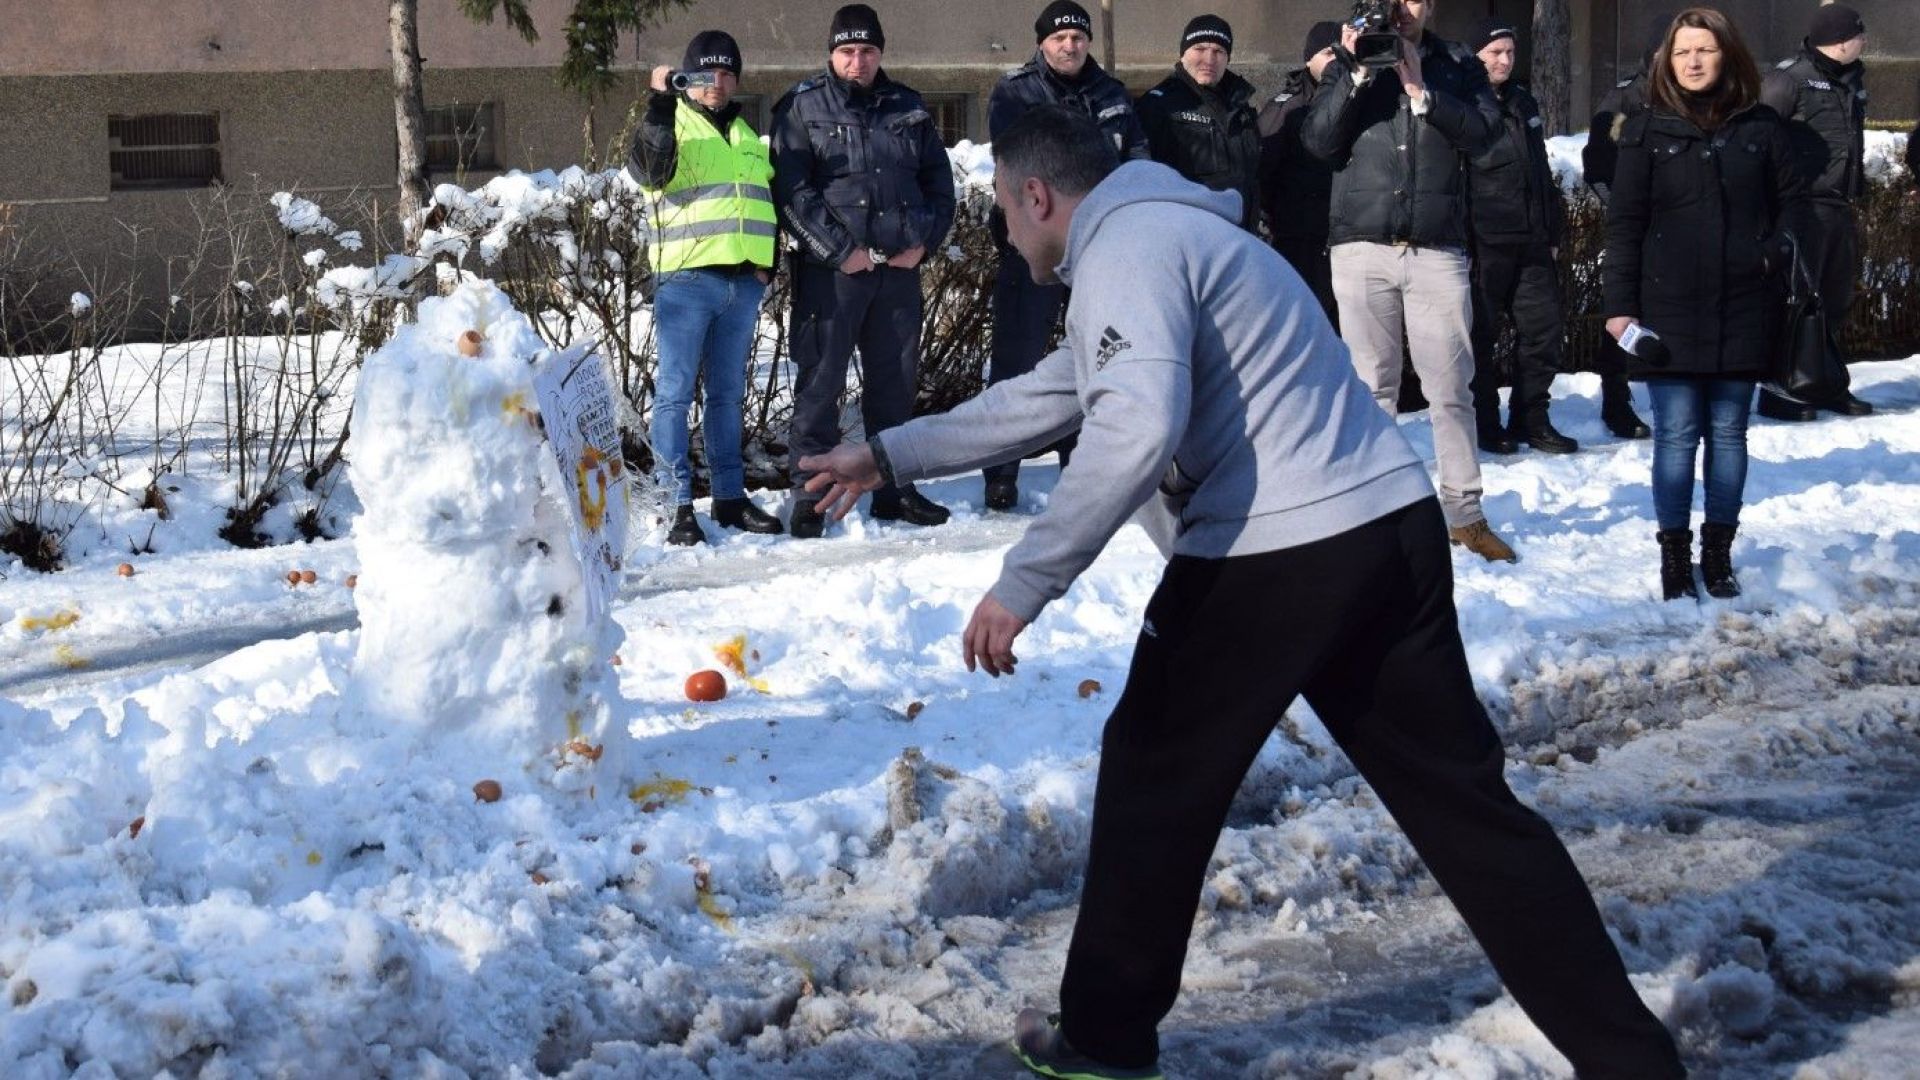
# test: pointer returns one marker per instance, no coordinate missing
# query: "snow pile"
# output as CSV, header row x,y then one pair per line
x,y
475,627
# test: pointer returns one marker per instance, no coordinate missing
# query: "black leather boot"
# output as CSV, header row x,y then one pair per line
x,y
908,505
1848,405
1775,407
1616,409
743,515
1716,560
1538,432
1495,439
1003,493
806,522
1676,564
686,531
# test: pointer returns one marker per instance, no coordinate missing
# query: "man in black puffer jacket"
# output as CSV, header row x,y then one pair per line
x,y
1397,139
1519,217
1296,188
861,180
1061,72
1822,94
1198,120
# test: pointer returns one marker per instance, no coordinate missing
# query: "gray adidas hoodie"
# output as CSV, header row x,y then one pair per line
x,y
1195,362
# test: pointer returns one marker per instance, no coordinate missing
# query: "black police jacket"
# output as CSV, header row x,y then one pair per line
x,y
1094,92
1627,97
1398,177
1513,196
1695,248
1296,188
1207,134
859,168
1825,106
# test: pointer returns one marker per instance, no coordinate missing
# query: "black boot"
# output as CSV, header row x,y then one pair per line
x,y
686,531
806,522
1495,439
1716,560
1775,407
743,515
1538,432
1003,493
908,505
1848,405
1616,410
1676,564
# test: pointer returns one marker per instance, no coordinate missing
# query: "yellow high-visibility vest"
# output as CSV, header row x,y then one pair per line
x,y
718,208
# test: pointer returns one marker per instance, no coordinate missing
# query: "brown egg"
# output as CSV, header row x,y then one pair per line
x,y
125,569
708,685
353,581
293,577
469,343
616,660
134,827
308,577
538,878
913,708
1089,687
487,791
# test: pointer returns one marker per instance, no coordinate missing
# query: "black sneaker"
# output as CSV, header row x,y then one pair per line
x,y
908,505
1775,407
686,531
743,515
1003,493
1040,1046
806,522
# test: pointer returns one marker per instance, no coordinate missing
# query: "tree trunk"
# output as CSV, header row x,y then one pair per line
x,y
1553,64
1106,38
409,108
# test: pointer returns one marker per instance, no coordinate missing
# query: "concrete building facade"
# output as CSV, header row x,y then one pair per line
x,y
118,112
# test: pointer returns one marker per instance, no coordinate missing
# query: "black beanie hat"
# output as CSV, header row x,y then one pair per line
x,y
1061,15
1320,35
856,24
1834,24
1203,29
712,49
1489,30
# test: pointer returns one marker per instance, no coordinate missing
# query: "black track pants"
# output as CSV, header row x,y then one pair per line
x,y
1363,625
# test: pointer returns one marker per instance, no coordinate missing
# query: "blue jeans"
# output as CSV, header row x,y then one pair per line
x,y
1686,411
703,322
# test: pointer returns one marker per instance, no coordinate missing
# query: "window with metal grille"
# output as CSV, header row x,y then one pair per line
x,y
462,138
949,115
165,150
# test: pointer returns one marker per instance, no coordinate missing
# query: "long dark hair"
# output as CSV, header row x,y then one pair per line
x,y
1739,84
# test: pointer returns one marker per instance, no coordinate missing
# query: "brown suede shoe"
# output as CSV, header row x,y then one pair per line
x,y
1479,538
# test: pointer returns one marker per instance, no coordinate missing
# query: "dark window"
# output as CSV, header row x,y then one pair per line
x,y
169,150
462,138
949,115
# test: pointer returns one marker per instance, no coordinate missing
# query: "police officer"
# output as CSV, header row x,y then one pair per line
x,y
1061,72
706,175
863,182
1518,218
1198,119
1296,188
1822,94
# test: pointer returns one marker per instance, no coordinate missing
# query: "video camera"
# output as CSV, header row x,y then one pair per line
x,y
1379,44
693,80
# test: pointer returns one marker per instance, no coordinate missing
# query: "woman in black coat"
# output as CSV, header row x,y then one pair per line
x,y
1696,255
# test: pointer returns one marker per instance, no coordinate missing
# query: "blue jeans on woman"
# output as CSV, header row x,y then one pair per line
x,y
1686,412
703,322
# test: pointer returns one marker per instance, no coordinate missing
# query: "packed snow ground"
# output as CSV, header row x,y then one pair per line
x,y
792,892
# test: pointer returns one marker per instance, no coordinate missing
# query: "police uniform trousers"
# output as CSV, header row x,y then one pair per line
x,y
833,313
1025,315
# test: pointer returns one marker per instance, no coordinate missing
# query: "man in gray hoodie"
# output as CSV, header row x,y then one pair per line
x,y
1213,397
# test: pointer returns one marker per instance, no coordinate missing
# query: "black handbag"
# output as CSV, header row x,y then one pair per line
x,y
1807,364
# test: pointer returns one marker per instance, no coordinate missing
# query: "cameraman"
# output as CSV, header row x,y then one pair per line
x,y
1397,138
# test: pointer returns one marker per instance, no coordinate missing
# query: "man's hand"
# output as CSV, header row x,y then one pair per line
x,y
843,473
1349,41
659,80
1618,325
908,259
857,263
989,636
1408,68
